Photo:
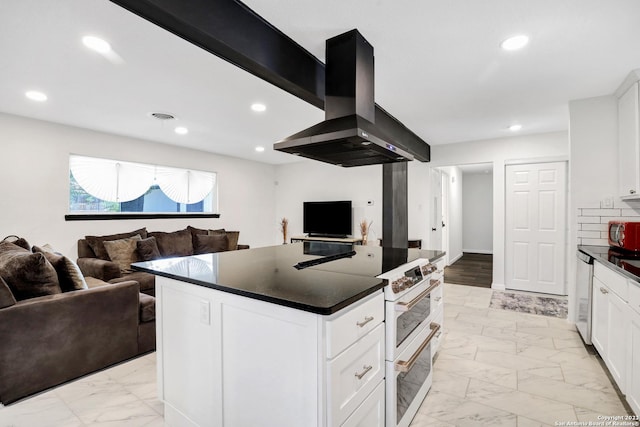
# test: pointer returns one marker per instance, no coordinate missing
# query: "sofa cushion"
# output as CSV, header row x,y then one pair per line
x,y
69,275
147,281
148,249
147,308
6,296
97,242
177,243
28,275
123,251
205,244
199,231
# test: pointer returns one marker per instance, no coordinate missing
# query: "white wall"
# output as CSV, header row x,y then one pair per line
x,y
500,152
317,181
35,185
593,145
477,221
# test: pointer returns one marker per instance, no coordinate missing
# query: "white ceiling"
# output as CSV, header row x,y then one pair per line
x,y
439,68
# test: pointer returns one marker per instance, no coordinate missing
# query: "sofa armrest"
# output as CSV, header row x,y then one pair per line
x,y
99,268
55,338
243,247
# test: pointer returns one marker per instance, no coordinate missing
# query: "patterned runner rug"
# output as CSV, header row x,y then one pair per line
x,y
533,304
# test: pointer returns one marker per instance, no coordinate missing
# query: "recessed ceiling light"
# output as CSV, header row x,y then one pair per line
x,y
515,42
515,128
180,130
97,44
259,149
258,107
34,95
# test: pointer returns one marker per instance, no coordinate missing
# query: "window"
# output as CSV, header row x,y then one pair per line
x,y
113,187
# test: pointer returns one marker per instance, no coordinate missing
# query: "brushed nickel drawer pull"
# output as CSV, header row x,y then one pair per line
x,y
603,290
366,368
405,366
365,321
406,306
437,299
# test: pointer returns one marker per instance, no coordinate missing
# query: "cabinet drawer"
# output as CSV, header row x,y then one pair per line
x,y
371,412
634,296
354,374
355,323
614,281
437,339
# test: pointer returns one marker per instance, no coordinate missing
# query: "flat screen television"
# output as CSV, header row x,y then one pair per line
x,y
327,219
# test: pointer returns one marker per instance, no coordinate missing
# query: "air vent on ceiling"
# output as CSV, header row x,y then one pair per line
x,y
162,116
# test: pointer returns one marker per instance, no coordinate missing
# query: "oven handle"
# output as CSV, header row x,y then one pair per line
x,y
402,366
406,306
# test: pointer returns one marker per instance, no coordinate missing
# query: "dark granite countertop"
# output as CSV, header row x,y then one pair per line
x,y
623,262
268,273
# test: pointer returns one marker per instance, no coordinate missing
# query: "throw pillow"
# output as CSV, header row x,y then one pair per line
x,y
69,275
233,239
177,243
123,252
148,249
28,275
97,242
20,241
206,244
6,297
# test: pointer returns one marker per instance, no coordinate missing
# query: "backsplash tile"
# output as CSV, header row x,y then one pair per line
x,y
593,218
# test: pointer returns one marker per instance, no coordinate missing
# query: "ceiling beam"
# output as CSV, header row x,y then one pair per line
x,y
235,33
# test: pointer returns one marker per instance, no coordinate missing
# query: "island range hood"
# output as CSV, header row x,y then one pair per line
x,y
348,136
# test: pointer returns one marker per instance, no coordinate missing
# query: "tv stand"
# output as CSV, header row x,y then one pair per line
x,y
352,240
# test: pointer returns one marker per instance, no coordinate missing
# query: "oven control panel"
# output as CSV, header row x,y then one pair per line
x,y
411,277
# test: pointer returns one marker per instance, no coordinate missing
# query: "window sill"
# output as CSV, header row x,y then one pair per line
x,y
109,216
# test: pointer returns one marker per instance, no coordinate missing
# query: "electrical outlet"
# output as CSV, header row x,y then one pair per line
x,y
205,313
607,202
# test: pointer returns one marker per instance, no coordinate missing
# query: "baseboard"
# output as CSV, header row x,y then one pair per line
x,y
452,260
478,251
498,286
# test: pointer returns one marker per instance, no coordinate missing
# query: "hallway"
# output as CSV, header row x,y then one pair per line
x,y
471,270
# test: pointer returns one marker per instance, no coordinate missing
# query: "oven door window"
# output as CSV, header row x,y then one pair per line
x,y
408,321
408,384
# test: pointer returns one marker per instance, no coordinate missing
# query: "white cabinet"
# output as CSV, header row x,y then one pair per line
x,y
633,365
610,329
600,316
629,138
227,360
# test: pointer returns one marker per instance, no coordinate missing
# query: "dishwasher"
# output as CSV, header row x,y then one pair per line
x,y
584,285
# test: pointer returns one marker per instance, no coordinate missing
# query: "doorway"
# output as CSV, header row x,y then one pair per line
x,y
467,212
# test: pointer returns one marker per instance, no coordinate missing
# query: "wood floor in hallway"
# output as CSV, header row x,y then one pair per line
x,y
472,269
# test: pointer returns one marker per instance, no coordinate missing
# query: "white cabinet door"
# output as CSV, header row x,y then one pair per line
x,y
617,326
633,383
629,144
600,317
536,227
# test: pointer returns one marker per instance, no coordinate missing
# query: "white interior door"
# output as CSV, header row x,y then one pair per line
x,y
445,216
436,210
536,227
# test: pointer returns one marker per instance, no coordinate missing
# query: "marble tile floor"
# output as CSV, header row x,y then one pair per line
x,y
494,368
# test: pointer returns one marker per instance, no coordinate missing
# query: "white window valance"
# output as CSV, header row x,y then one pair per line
x,y
119,181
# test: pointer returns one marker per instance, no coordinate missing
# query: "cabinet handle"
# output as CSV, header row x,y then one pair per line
x,y
437,299
366,368
438,334
405,366
632,191
365,321
603,290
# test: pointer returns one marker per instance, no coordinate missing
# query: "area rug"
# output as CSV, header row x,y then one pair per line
x,y
522,303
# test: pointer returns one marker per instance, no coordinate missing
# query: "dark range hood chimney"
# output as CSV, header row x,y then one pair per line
x,y
348,136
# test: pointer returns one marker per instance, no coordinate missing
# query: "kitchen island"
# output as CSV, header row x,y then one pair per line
x,y
245,338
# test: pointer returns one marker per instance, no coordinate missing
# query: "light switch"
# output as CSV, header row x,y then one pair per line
x,y
205,313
